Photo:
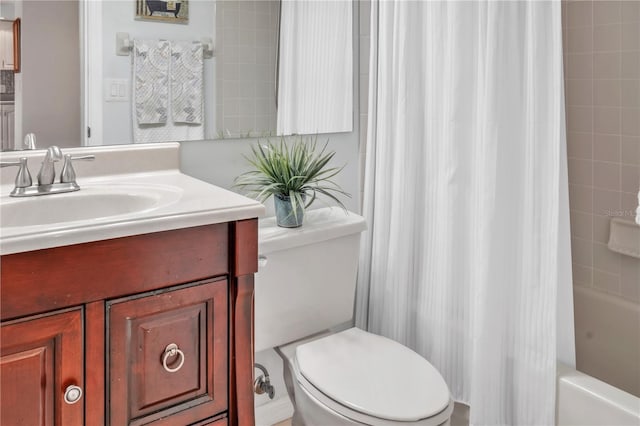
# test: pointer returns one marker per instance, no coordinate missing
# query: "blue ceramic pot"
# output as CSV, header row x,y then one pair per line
x,y
285,216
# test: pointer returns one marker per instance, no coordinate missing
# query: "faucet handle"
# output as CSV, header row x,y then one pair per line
x,y
68,174
23,178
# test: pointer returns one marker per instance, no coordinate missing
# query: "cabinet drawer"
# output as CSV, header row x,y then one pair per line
x,y
40,358
150,381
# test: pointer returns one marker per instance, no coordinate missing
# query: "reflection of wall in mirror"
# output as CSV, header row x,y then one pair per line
x,y
247,37
50,72
117,16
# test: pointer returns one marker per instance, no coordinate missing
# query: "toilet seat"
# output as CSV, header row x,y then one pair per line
x,y
402,387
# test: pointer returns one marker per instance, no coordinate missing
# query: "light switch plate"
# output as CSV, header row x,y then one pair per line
x,y
116,90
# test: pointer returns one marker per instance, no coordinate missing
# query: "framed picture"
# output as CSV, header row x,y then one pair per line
x,y
16,45
174,11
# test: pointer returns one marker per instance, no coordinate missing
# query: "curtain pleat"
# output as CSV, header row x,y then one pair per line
x,y
465,197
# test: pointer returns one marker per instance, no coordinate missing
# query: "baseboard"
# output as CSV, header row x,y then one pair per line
x,y
274,411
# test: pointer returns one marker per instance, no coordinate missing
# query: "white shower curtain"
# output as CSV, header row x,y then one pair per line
x,y
467,249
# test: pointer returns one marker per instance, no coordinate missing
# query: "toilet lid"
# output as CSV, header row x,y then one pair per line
x,y
373,375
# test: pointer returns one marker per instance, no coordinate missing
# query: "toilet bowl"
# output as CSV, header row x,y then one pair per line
x,y
305,286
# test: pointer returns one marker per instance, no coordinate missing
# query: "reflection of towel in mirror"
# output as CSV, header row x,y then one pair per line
x,y
186,82
151,75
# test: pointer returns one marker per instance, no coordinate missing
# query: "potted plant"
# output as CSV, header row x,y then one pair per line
x,y
294,173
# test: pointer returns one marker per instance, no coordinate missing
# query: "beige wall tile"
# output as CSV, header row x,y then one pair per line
x,y
631,36
579,119
607,282
606,65
606,147
630,152
579,92
630,93
580,39
580,171
631,121
606,120
582,275
582,225
630,64
606,93
630,11
578,13
582,251
630,278
630,178
581,198
606,12
606,175
607,38
605,202
606,260
580,65
579,145
629,203
601,229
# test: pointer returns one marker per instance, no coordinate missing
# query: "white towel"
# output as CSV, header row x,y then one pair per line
x,y
187,68
151,74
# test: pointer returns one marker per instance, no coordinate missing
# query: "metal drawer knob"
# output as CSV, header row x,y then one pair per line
x,y
170,351
72,394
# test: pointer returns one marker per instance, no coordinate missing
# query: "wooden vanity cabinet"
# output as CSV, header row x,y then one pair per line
x,y
154,329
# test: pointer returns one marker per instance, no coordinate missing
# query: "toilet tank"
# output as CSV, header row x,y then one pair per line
x,y
306,280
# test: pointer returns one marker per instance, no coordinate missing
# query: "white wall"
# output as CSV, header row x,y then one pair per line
x,y
119,16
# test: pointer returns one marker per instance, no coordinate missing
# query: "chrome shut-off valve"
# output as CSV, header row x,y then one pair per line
x,y
262,384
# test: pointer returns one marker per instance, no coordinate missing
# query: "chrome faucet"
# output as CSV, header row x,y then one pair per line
x,y
46,176
47,173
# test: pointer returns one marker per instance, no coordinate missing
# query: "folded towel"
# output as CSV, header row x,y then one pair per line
x,y
186,82
151,75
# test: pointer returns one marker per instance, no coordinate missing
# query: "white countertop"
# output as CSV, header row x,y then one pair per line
x,y
186,201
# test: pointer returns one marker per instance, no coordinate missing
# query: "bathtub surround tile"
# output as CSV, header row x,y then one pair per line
x,y
630,11
630,278
630,36
579,92
607,38
580,171
628,205
582,252
579,119
581,225
580,65
582,275
606,12
606,260
607,282
601,229
580,145
630,93
606,65
581,39
630,178
606,120
606,203
631,121
581,198
578,14
606,175
630,65
606,93
606,147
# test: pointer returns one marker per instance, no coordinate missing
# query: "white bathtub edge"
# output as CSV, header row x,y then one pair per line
x,y
584,400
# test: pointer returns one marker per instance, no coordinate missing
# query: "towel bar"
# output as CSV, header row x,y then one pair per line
x,y
124,45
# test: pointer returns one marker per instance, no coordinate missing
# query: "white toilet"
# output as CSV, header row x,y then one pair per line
x,y
305,286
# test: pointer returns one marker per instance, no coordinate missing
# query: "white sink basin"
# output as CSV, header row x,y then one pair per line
x,y
92,203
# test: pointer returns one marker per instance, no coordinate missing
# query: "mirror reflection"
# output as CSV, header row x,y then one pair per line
x,y
120,71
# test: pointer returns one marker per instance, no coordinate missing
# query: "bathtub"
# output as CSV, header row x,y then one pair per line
x,y
583,400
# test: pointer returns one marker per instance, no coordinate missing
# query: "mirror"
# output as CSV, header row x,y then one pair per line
x,y
274,69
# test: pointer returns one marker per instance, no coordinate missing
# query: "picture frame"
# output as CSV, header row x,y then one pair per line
x,y
169,11
16,45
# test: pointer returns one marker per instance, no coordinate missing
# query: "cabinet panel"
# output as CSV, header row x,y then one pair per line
x,y
148,380
39,358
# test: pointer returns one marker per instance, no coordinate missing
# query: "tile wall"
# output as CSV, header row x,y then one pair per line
x,y
602,91
245,81
602,87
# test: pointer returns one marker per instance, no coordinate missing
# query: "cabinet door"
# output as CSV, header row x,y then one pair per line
x,y
151,382
40,358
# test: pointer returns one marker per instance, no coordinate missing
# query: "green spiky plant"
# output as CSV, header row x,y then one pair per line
x,y
297,169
